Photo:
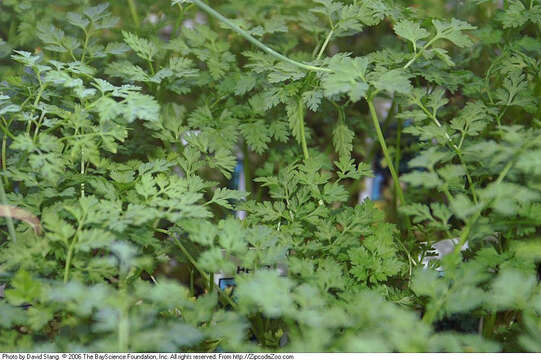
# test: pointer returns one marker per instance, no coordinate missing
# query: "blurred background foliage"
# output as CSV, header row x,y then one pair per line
x,y
124,127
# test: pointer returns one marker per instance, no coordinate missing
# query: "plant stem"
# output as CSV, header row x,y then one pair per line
x,y
302,134
192,287
487,329
191,259
385,150
181,16
455,148
247,169
124,327
397,157
133,11
253,40
68,261
82,172
87,37
324,46
4,146
469,224
36,101
4,126
38,126
9,220
203,274
418,54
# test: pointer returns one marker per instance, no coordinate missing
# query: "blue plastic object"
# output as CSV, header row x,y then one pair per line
x,y
377,183
225,283
235,179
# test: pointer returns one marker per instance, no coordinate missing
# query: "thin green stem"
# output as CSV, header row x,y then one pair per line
x,y
38,125
192,282
455,148
418,54
302,132
82,172
411,262
5,129
9,220
247,169
190,258
385,150
72,55
397,157
151,67
467,229
253,40
500,116
488,324
181,16
85,46
124,327
430,315
4,146
134,14
12,32
324,46
194,264
68,260
36,101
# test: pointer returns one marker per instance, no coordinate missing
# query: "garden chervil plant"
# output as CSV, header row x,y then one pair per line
x,y
135,134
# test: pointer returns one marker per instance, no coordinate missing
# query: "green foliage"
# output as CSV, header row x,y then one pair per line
x,y
123,131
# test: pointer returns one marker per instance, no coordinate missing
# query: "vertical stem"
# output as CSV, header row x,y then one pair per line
x,y
192,285
151,67
468,177
82,172
36,102
133,11
260,330
301,125
68,261
247,169
38,126
124,328
12,32
385,150
85,46
4,147
397,156
489,322
398,141
178,23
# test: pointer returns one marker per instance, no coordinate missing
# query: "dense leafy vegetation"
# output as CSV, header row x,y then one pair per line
x,y
121,126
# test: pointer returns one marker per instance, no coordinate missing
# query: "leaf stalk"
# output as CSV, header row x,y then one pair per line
x,y
253,40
